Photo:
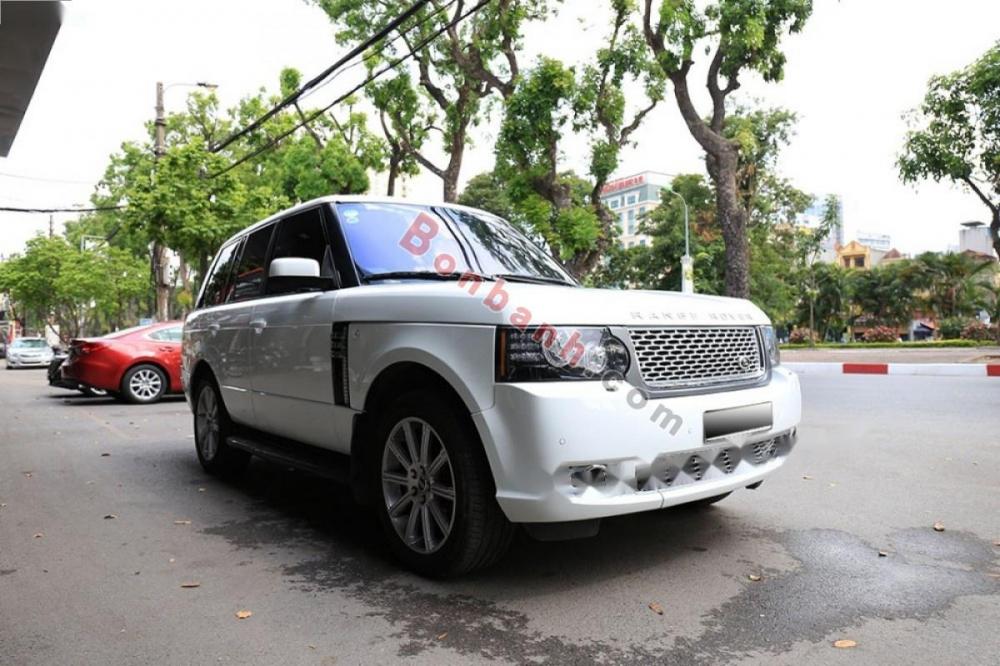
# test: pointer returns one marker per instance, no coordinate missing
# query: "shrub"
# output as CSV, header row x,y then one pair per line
x,y
951,328
881,334
802,336
977,330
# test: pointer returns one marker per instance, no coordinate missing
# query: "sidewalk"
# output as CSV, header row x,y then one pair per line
x,y
955,355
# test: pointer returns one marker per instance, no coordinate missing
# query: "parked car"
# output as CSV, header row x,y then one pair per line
x,y
56,379
3,349
29,353
139,365
465,383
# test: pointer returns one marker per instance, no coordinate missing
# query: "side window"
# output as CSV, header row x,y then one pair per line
x,y
302,235
248,281
172,334
216,288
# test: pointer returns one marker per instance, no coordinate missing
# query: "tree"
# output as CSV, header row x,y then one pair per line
x,y
73,291
951,284
957,134
456,72
553,99
746,35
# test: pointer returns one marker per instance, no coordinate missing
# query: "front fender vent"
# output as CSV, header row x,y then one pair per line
x,y
338,355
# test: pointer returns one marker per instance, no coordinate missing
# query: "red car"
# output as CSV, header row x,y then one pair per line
x,y
140,364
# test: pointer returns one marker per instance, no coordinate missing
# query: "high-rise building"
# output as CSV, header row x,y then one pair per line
x,y
631,198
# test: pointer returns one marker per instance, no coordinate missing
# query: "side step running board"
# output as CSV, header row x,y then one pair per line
x,y
328,464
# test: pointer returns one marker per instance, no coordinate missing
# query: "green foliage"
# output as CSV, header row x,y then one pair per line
x,y
951,328
956,134
80,291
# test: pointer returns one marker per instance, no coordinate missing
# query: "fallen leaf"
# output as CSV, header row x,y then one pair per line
x,y
110,516
939,526
171,560
243,614
845,643
190,585
2,505
311,647
27,475
182,522
833,485
754,577
201,490
883,553
807,477
656,608
39,535
105,455
443,636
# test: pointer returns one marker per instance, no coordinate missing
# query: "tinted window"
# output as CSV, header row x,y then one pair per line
x,y
248,281
216,286
500,248
375,232
302,236
172,334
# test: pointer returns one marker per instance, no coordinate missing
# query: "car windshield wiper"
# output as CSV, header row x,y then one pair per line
x,y
422,275
534,279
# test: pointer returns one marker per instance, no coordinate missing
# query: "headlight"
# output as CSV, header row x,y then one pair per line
x,y
550,353
771,345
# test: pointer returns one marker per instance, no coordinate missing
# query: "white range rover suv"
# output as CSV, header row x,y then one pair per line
x,y
463,383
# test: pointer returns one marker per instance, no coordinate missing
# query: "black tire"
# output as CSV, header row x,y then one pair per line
x,y
144,384
708,501
479,533
220,459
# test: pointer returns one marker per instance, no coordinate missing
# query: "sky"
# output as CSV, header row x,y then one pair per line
x,y
858,66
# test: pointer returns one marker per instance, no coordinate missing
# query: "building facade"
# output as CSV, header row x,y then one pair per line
x,y
975,237
631,198
876,241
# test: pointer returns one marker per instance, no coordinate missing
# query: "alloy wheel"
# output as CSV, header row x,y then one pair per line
x,y
145,384
418,485
207,423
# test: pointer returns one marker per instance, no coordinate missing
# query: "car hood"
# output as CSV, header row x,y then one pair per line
x,y
496,303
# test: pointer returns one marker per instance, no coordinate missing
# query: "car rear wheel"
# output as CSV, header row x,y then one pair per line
x,y
211,428
436,499
144,384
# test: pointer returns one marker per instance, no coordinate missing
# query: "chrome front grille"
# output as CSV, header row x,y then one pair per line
x,y
686,357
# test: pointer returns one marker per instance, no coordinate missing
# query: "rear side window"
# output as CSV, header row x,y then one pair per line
x,y
217,284
248,282
172,334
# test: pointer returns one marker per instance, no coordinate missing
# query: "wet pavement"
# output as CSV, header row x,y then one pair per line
x,y
95,548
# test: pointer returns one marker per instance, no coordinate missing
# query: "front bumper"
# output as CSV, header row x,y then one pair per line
x,y
29,362
565,451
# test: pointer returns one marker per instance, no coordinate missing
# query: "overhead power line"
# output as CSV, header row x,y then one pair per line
x,y
92,209
46,180
392,65
357,50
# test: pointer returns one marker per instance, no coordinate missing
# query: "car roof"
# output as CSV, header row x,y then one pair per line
x,y
352,198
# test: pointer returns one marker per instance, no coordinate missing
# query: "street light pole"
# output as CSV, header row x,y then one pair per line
x,y
161,282
687,263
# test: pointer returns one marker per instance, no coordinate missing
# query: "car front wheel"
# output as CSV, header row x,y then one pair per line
x,y
212,427
436,496
144,384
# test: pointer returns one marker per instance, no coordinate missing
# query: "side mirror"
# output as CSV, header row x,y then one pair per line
x,y
289,275
293,267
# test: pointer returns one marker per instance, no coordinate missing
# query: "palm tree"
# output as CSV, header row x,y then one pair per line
x,y
951,283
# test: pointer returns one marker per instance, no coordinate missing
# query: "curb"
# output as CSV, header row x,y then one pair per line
x,y
924,369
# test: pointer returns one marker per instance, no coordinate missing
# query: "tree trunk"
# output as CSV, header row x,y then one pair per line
x,y
733,220
394,160
995,230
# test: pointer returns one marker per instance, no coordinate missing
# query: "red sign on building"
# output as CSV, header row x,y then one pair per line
x,y
623,184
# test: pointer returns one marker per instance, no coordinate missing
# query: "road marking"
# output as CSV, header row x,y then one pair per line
x,y
107,426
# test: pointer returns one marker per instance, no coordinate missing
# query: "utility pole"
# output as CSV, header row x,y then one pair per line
x,y
160,284
52,226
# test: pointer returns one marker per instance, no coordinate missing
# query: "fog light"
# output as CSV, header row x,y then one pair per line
x,y
590,475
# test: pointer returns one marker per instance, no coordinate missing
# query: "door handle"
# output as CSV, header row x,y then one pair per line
x,y
258,325
213,328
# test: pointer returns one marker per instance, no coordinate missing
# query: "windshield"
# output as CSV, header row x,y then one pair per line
x,y
401,239
125,331
24,343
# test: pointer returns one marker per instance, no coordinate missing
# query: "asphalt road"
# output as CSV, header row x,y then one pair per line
x,y
880,460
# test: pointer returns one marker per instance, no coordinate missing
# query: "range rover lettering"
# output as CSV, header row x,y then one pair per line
x,y
465,384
